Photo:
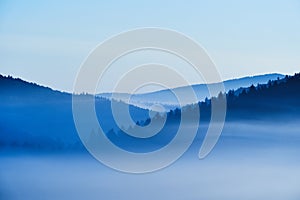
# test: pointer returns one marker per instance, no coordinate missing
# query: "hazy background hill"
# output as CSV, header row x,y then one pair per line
x,y
169,100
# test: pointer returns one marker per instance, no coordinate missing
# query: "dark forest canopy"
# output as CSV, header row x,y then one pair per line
x,y
275,99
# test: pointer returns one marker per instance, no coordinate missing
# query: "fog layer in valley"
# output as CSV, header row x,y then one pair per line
x,y
252,160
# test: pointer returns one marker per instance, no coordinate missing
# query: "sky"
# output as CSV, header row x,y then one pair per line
x,y
47,41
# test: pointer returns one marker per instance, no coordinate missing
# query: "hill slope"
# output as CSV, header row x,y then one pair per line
x,y
34,116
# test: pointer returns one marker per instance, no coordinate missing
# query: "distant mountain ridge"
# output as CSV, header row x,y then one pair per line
x,y
168,99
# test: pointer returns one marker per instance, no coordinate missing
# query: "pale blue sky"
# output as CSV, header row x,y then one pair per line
x,y
45,42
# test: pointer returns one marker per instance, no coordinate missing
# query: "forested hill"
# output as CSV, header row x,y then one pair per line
x,y
279,99
276,101
34,116
17,91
